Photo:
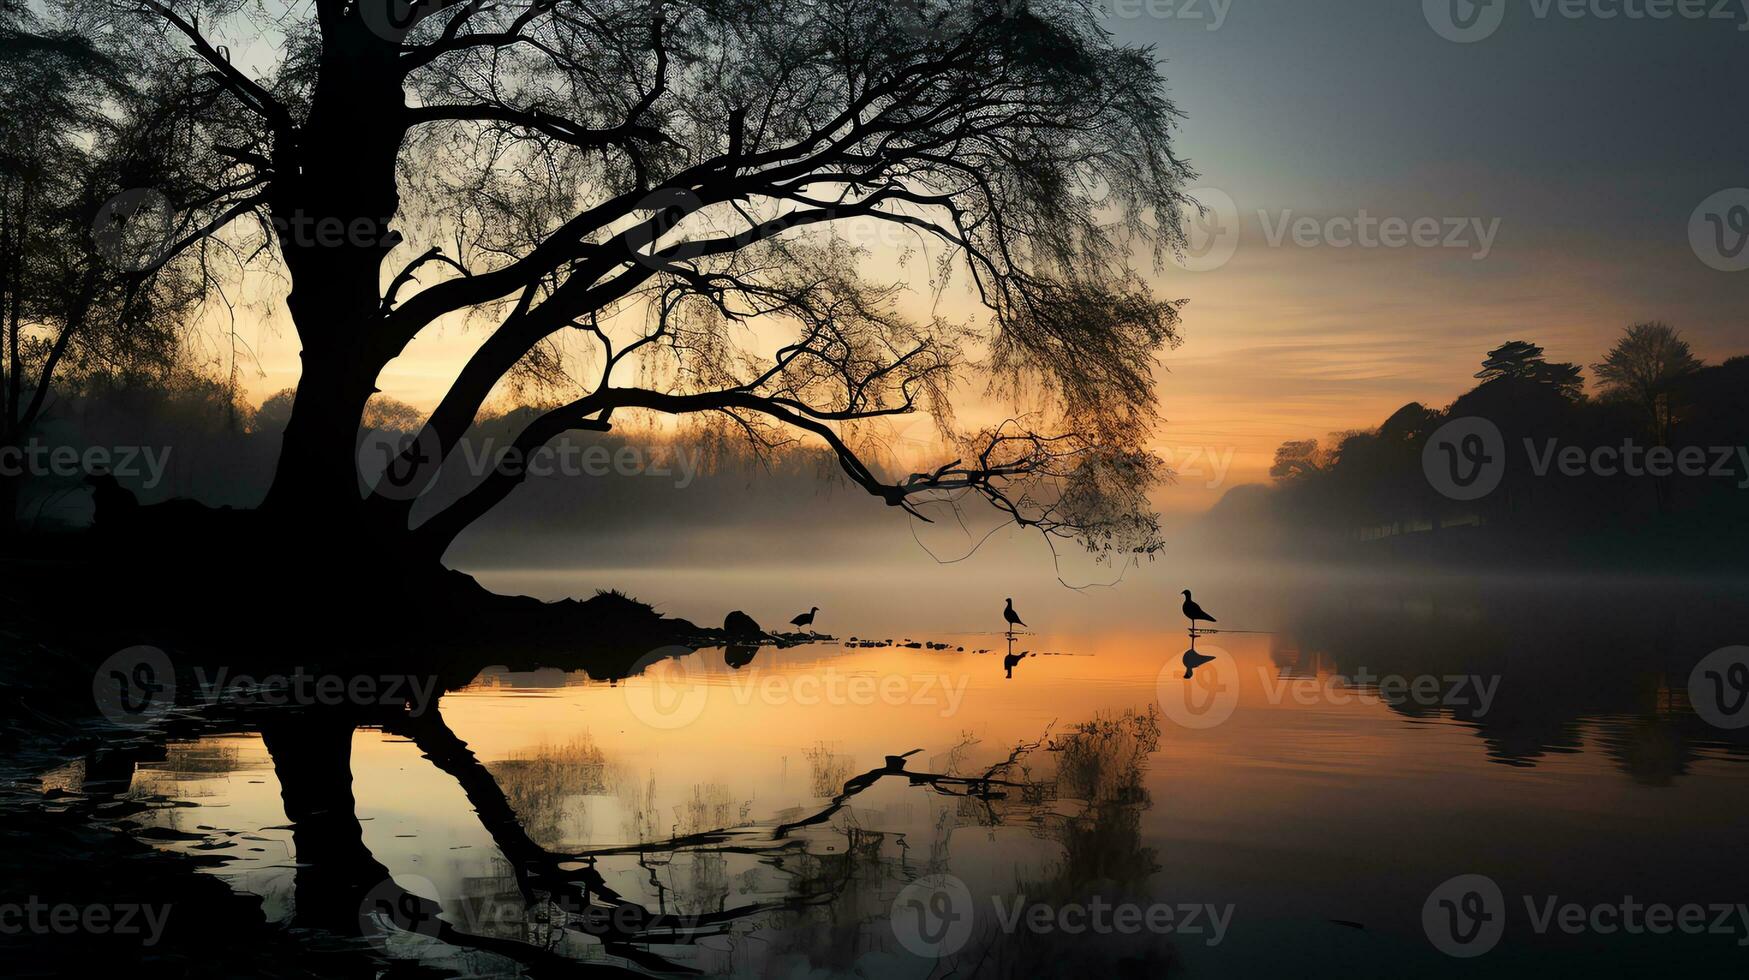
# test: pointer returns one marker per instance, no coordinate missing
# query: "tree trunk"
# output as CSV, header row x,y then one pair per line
x,y
332,206
312,759
316,479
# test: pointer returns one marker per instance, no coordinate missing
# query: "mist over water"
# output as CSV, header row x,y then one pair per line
x,y
1370,733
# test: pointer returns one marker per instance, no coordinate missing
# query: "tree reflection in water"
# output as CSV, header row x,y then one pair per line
x,y
716,892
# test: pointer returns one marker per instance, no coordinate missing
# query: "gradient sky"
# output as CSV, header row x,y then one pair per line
x,y
1590,140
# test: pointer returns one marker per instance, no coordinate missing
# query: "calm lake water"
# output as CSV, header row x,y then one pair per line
x,y
1295,807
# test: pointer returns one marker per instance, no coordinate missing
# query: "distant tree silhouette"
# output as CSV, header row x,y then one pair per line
x,y
1367,483
84,287
1714,404
1717,400
1410,425
1521,362
275,411
381,412
1296,459
1407,497
1644,366
639,196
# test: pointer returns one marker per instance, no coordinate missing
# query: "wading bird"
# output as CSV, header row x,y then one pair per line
x,y
1013,618
806,619
1193,612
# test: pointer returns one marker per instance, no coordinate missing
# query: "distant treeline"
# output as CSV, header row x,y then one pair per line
x,y
1654,466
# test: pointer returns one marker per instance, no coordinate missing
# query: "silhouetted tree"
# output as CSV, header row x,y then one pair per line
x,y
1521,362
1527,397
381,412
1401,438
1296,459
1718,400
1410,425
1715,412
90,283
646,180
1359,480
1644,366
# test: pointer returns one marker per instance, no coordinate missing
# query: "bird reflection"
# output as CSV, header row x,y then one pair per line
x,y
1193,660
1012,658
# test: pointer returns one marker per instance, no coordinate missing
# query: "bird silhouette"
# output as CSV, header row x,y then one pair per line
x,y
1012,617
1193,612
1193,660
806,619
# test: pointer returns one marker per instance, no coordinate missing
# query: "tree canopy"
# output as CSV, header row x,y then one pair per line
x,y
659,206
1644,366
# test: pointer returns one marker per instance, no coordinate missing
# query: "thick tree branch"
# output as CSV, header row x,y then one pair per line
x,y
246,89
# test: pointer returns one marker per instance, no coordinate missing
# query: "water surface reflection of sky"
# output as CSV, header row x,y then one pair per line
x,y
1279,788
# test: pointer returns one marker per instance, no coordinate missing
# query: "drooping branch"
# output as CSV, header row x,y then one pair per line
x,y
1004,464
